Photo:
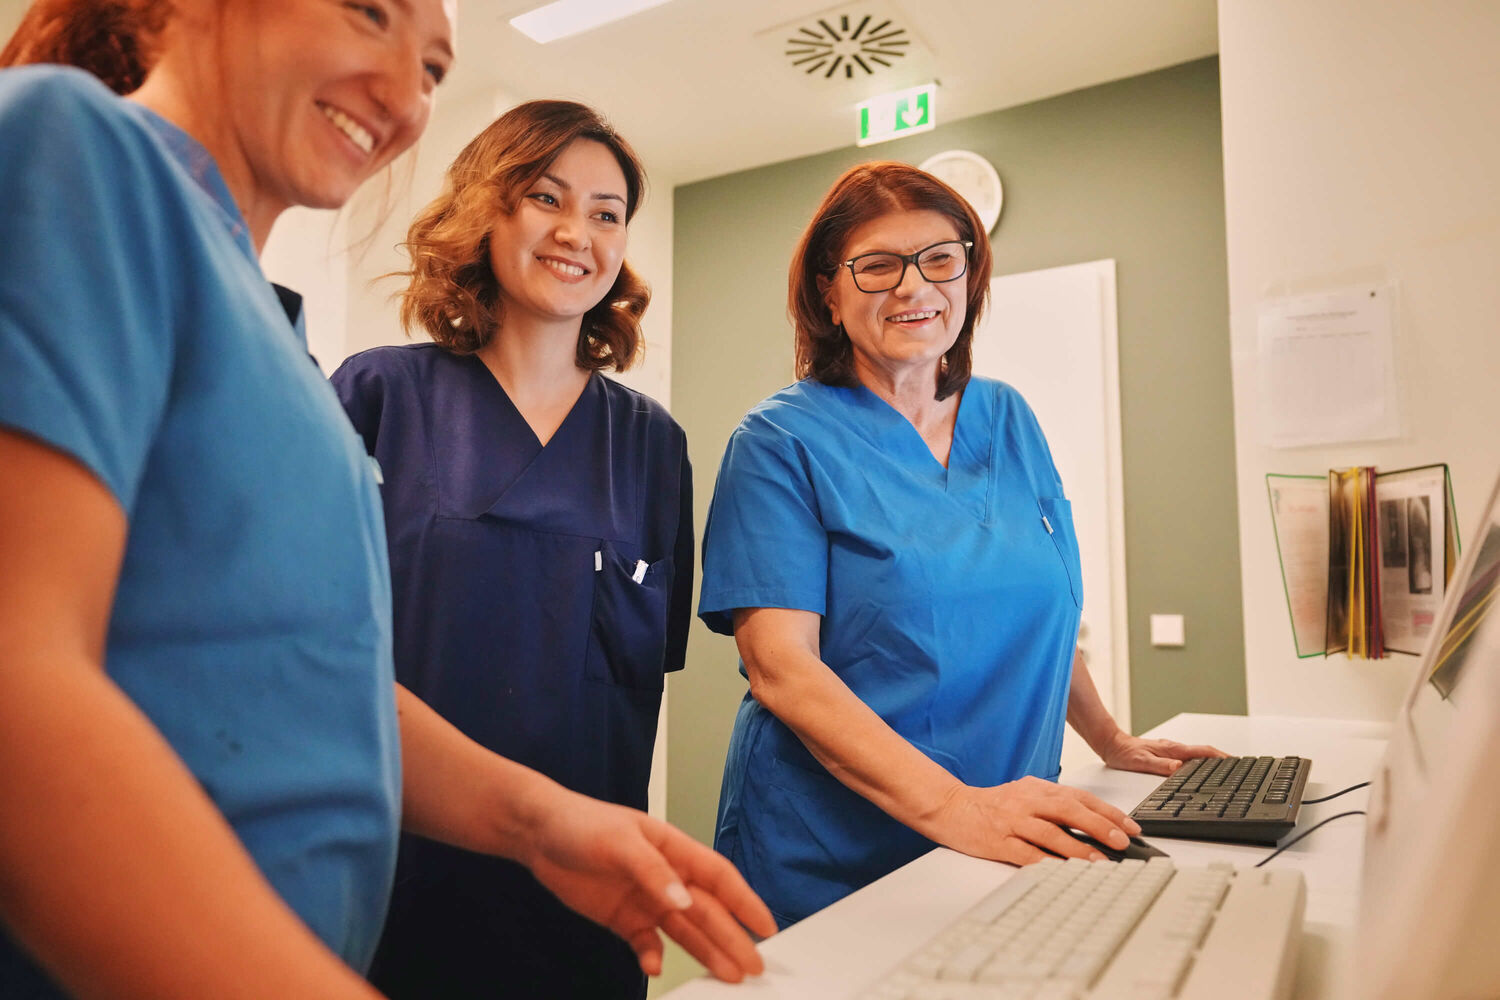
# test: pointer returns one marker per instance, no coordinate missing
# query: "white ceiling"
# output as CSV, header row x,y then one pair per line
x,y
703,87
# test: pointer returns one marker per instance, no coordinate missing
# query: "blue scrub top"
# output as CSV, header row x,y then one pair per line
x,y
947,604
540,595
252,618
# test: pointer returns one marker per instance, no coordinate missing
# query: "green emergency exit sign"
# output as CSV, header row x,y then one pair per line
x,y
891,116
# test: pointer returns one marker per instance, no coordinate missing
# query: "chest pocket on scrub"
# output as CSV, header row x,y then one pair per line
x,y
628,627
1058,515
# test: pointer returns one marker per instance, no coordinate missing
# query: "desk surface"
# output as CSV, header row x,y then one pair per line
x,y
836,952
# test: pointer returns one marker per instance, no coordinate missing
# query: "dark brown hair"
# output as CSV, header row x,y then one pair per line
x,y
867,192
453,294
113,39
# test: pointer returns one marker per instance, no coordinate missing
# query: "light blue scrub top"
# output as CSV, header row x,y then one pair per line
x,y
252,619
947,604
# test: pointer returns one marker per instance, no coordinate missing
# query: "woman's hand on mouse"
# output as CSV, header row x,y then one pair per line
x,y
1016,821
1124,752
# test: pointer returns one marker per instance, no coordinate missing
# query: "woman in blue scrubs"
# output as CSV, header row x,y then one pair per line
x,y
890,546
540,526
201,750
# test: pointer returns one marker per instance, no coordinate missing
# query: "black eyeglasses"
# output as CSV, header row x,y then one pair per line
x,y
881,271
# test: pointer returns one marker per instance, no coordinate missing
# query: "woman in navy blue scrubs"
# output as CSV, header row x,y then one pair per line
x,y
890,546
540,528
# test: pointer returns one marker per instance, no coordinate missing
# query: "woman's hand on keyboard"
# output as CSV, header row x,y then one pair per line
x,y
637,876
1131,753
1016,821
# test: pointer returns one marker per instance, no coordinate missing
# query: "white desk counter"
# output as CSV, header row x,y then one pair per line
x,y
836,952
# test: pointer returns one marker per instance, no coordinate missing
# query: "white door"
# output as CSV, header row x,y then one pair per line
x,y
1052,335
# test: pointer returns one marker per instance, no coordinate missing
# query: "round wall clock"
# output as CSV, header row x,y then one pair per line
x,y
972,176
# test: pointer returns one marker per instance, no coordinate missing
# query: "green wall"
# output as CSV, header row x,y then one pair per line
x,y
1130,170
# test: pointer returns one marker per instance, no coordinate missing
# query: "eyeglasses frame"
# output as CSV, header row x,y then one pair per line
x,y
908,260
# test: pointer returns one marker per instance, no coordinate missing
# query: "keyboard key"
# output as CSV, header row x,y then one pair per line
x,y
966,963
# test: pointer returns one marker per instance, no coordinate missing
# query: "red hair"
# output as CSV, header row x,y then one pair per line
x,y
113,39
867,192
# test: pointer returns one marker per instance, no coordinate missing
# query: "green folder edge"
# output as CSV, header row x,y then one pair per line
x,y
1281,564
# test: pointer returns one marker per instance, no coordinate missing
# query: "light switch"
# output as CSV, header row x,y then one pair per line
x,y
1167,630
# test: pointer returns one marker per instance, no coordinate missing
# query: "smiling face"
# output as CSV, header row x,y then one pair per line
x,y
907,329
558,252
317,95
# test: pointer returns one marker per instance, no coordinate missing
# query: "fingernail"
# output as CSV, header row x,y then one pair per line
x,y
678,895
1133,827
1117,838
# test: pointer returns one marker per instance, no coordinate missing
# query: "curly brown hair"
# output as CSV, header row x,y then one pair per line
x,y
866,192
113,39
453,294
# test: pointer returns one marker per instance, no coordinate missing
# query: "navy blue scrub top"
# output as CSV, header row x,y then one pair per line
x,y
251,617
950,601
540,595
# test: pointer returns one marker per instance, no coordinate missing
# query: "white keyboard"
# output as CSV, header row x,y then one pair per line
x,y
1102,930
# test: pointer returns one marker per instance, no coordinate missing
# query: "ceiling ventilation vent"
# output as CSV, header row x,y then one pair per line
x,y
852,43
862,42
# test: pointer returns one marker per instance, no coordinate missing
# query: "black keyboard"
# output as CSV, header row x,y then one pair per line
x,y
1253,799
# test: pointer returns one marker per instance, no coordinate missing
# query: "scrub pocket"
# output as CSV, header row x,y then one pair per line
x,y
1059,514
628,627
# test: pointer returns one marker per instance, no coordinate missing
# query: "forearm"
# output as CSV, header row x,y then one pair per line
x,y
1086,712
458,792
843,733
1007,822
116,871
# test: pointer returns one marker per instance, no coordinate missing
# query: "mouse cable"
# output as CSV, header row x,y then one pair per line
x,y
1308,802
1289,843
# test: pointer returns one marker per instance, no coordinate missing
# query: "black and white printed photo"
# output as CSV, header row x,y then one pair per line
x,y
1419,544
1393,534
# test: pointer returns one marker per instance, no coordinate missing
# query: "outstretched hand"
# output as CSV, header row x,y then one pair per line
x,y
639,876
1132,753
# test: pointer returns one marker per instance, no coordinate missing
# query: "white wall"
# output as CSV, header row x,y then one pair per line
x,y
380,213
1362,142
306,252
650,253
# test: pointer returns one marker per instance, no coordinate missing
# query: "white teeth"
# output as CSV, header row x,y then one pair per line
x,y
357,133
905,317
562,268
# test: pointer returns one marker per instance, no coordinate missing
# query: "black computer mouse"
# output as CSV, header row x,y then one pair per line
x,y
1137,848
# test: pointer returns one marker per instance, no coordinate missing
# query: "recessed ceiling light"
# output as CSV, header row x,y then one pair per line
x,y
569,17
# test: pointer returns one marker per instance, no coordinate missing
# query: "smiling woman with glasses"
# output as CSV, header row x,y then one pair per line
x,y
890,547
